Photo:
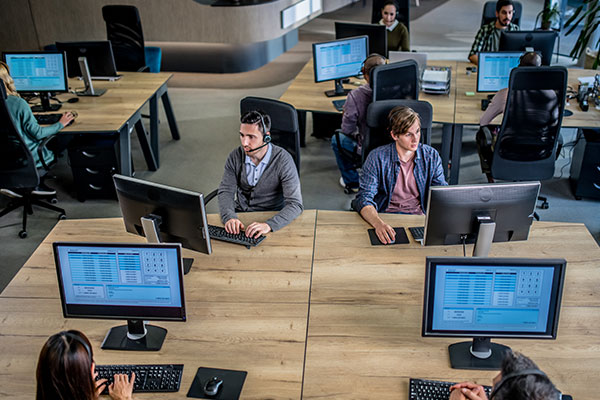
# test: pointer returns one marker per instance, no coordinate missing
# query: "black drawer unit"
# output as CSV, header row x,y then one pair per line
x,y
93,162
585,165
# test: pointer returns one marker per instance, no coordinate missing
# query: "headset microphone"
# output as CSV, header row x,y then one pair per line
x,y
258,148
266,138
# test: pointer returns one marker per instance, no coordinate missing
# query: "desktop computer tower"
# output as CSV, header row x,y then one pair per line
x,y
585,165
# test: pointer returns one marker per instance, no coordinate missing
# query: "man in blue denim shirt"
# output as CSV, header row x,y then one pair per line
x,y
396,177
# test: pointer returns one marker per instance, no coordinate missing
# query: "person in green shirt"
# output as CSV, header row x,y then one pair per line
x,y
398,38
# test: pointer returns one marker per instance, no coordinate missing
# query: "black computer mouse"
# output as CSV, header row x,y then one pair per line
x,y
212,386
73,100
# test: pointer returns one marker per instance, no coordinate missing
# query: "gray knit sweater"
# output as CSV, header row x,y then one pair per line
x,y
278,189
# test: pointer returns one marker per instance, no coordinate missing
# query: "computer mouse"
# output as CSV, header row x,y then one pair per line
x,y
212,386
73,100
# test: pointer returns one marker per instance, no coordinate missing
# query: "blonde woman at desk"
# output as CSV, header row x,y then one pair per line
x,y
398,38
66,368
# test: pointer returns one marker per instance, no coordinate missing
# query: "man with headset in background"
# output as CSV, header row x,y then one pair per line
x,y
519,379
259,176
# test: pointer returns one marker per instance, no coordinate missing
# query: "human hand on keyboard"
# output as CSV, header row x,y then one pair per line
x,y
122,387
256,229
467,391
234,225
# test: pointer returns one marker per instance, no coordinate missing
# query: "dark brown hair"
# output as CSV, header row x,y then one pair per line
x,y
64,370
401,118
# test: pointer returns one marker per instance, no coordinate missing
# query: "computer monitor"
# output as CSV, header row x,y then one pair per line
x,y
480,214
99,56
130,281
483,298
539,41
41,72
164,214
493,69
339,59
377,35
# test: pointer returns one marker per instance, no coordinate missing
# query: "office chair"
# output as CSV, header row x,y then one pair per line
x,y
489,13
377,120
402,13
124,30
396,81
18,174
527,144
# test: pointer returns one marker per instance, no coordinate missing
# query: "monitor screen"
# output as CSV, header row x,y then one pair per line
x,y
492,297
377,35
539,41
121,281
99,56
38,71
340,58
493,70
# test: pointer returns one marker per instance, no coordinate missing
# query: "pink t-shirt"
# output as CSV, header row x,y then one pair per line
x,y
405,197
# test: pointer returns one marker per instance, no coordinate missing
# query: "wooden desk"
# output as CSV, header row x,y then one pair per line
x,y
246,310
250,309
119,111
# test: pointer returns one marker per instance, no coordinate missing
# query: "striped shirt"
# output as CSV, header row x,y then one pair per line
x,y
488,37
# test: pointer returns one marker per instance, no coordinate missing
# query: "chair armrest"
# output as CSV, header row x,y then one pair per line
x,y
210,196
40,151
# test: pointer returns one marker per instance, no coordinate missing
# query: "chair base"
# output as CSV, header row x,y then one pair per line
x,y
27,201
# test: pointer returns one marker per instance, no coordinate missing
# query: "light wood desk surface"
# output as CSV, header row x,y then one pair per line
x,y
248,310
304,94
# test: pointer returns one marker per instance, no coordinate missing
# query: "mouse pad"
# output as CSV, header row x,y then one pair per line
x,y
401,237
233,381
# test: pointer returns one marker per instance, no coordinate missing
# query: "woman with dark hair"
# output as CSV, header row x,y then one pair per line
x,y
398,38
66,371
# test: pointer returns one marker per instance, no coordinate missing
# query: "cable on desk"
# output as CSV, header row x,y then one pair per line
x,y
463,239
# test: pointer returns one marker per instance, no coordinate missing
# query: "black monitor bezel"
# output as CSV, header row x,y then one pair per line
x,y
368,28
314,52
479,75
555,301
97,46
65,70
519,36
92,311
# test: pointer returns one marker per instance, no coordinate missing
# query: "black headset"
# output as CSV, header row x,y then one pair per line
x,y
266,137
80,340
514,375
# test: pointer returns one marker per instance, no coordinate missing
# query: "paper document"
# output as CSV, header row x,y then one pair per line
x,y
435,76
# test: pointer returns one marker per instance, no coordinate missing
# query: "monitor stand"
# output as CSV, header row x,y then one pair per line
x,y
151,226
485,236
338,91
136,336
87,80
46,106
478,354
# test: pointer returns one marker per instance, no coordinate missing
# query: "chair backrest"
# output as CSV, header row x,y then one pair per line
x,y
489,13
124,30
526,145
377,121
17,168
396,81
402,13
285,131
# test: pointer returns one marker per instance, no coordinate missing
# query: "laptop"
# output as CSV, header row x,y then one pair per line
x,y
420,58
99,56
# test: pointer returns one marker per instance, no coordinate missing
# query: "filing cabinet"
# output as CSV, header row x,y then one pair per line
x,y
585,165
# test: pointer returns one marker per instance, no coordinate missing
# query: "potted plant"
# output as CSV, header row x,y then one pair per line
x,y
550,15
588,13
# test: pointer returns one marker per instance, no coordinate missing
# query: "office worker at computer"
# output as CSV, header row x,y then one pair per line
x,y
354,125
488,36
398,38
66,370
31,132
519,379
259,176
396,177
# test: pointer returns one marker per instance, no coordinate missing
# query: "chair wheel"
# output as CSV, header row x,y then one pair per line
x,y
62,217
23,234
54,200
544,205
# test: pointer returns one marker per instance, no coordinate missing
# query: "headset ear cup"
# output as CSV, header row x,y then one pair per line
x,y
267,139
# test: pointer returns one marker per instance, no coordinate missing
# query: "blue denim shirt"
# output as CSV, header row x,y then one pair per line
x,y
380,173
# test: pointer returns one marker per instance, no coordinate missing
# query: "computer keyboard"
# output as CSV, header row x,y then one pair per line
x,y
47,119
417,232
219,233
339,104
148,378
423,389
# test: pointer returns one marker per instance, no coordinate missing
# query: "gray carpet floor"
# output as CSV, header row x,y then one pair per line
x,y
207,111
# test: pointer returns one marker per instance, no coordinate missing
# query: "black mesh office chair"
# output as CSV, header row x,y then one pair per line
x,y
396,81
527,143
402,13
18,174
377,120
489,13
124,30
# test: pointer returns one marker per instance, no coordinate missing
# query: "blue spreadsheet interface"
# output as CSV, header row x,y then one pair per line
x,y
37,72
123,276
492,298
494,69
340,59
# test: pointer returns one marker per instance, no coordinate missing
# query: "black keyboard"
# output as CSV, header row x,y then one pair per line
x,y
339,104
47,119
423,389
148,378
417,232
219,233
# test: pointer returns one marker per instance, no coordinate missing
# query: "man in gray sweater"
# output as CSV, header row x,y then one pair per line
x,y
259,176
